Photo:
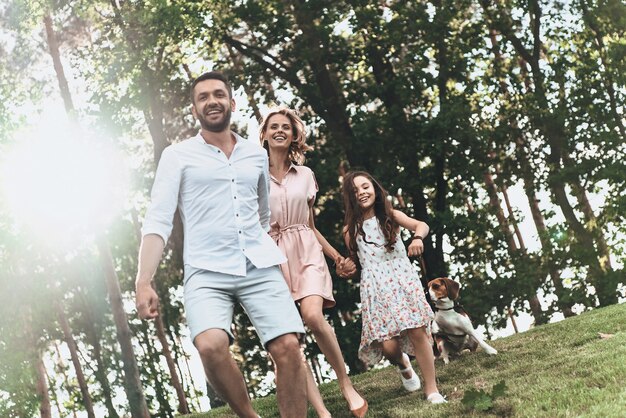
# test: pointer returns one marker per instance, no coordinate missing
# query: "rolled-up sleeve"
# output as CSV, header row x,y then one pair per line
x,y
264,196
164,197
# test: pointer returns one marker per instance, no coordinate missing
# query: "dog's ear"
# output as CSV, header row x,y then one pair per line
x,y
453,288
430,283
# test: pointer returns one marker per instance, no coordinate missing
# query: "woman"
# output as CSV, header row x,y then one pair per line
x,y
292,194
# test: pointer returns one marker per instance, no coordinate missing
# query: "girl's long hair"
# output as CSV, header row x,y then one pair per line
x,y
298,146
353,219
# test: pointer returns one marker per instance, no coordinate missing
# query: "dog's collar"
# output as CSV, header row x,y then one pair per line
x,y
444,309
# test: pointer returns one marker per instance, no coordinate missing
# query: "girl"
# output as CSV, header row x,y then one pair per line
x,y
396,316
292,194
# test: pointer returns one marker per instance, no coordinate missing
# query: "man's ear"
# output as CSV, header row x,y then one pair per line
x,y
232,105
194,112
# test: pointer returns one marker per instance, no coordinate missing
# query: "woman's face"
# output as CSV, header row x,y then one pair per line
x,y
279,132
365,192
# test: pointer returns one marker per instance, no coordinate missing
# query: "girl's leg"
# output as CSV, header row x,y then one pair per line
x,y
425,358
311,311
393,353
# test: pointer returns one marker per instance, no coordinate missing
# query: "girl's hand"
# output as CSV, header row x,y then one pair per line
x,y
345,267
416,248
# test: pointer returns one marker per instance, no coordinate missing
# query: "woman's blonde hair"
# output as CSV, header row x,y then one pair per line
x,y
298,145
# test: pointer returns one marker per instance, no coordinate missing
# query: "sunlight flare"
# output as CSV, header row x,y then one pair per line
x,y
60,189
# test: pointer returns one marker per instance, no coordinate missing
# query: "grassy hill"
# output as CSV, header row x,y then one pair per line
x,y
574,368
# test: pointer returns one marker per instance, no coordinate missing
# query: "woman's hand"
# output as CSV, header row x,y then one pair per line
x,y
345,267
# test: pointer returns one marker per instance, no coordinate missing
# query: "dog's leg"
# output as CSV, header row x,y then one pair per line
x,y
443,349
488,349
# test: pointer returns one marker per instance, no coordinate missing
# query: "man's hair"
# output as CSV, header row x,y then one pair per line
x,y
211,75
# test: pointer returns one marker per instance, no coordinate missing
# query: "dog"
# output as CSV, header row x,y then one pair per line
x,y
452,330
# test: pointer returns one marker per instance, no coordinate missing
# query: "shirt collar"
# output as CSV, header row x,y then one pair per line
x,y
238,138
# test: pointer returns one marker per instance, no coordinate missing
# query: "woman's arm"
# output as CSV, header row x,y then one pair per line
x,y
420,231
328,250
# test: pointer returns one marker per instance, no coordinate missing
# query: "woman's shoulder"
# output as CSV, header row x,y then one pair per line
x,y
303,169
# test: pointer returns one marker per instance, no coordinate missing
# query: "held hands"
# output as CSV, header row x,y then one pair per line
x,y
345,267
416,248
146,301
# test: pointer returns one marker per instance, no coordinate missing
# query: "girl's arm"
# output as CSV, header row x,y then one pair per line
x,y
353,270
342,266
420,231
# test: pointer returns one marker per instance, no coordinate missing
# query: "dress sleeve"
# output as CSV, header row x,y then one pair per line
x,y
312,189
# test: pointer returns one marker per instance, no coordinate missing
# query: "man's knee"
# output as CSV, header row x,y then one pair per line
x,y
212,344
284,346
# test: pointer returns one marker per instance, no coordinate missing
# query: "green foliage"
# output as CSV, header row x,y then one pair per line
x,y
481,400
428,96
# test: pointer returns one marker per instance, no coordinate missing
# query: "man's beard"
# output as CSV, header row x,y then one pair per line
x,y
220,126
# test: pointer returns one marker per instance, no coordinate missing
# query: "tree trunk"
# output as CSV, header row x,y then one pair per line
x,y
494,201
94,335
386,78
552,128
78,368
183,407
330,102
66,382
607,77
101,375
54,396
154,371
53,47
45,409
132,383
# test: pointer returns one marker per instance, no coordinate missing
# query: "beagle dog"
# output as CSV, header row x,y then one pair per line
x,y
452,330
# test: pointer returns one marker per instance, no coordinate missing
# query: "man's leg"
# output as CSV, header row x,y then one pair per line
x,y
290,375
222,371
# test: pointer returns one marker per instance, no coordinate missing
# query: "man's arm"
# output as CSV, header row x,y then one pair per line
x,y
156,229
150,253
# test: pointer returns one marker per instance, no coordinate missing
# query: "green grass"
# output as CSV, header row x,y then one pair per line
x,y
557,370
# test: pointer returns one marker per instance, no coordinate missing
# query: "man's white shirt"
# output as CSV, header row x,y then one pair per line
x,y
223,203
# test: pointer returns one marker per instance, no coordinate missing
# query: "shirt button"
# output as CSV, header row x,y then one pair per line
x,y
234,197
237,215
233,180
240,232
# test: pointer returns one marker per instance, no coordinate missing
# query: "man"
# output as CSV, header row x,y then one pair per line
x,y
220,184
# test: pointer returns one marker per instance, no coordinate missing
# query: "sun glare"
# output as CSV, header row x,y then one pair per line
x,y
60,189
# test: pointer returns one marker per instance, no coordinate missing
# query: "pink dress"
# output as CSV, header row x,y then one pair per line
x,y
305,271
392,298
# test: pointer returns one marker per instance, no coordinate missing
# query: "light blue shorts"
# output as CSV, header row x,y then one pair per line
x,y
210,299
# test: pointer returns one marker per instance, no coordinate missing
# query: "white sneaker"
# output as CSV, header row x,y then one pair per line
x,y
412,383
436,398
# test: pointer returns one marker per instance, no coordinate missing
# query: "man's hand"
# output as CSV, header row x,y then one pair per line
x,y
146,301
345,267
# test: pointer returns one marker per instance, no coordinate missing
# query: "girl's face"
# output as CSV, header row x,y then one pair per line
x,y
365,193
279,132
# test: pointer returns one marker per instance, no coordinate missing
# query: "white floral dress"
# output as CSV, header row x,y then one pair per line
x,y
392,298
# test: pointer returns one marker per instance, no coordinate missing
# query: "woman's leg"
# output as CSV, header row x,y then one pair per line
x,y
425,358
311,311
